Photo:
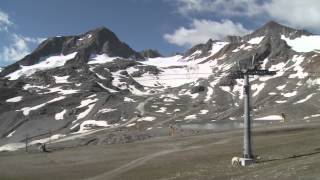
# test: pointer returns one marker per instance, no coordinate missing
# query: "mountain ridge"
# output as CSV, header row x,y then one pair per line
x,y
82,86
97,41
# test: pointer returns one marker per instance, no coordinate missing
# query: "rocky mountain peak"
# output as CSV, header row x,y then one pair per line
x,y
98,41
203,48
77,84
102,41
273,28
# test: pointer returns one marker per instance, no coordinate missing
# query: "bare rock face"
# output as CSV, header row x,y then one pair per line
x,y
150,53
273,28
97,41
203,48
197,89
128,91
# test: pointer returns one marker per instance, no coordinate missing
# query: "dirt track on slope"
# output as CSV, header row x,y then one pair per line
x,y
286,152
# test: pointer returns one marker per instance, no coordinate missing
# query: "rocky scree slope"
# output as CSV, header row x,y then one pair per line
x,y
74,85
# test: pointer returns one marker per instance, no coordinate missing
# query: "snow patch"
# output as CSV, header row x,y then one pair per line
x,y
106,88
281,102
204,111
312,116
59,116
101,59
305,99
256,40
242,47
84,113
15,99
46,140
297,67
270,118
165,61
106,110
209,94
193,96
26,110
258,88
264,63
137,92
149,118
291,94
281,87
175,71
61,79
190,117
61,91
312,82
12,147
162,110
88,101
303,43
217,46
227,89
130,125
48,63
100,77
172,96
168,100
126,99
90,124
11,134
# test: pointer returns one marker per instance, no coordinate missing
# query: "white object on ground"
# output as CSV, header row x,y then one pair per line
x,y
270,118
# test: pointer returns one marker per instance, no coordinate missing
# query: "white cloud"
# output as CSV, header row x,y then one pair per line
x,y
296,13
223,7
4,19
19,45
201,31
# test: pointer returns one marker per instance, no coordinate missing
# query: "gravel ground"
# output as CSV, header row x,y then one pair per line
x,y
286,152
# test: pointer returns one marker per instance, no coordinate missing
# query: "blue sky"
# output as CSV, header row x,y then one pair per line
x,y
166,25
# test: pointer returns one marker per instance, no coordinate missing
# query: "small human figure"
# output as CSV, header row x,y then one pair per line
x,y
172,130
283,117
43,147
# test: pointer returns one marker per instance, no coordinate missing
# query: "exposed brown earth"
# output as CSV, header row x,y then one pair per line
x,y
288,151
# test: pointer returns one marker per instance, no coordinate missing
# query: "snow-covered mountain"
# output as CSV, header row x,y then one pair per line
x,y
76,85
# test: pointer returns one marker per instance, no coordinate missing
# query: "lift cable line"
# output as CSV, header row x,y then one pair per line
x,y
228,76
243,73
232,74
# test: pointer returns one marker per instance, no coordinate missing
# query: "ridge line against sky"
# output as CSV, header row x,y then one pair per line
x,y
166,25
